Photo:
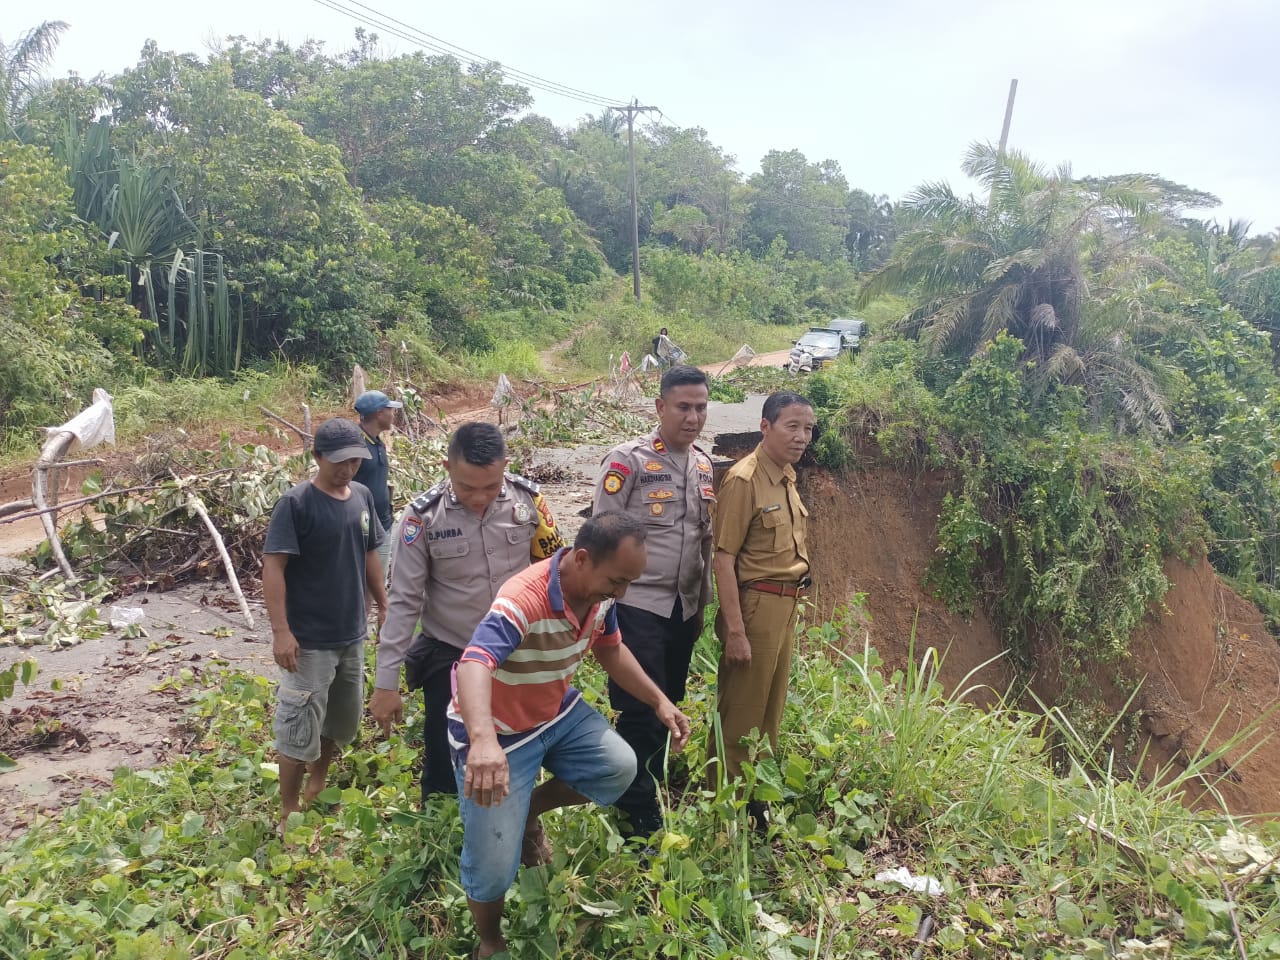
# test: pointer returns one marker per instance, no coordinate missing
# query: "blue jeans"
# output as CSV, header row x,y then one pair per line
x,y
580,749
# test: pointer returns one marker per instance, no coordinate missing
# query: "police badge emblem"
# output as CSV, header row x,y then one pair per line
x,y
522,512
412,529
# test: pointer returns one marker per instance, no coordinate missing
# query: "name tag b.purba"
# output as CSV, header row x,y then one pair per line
x,y
450,534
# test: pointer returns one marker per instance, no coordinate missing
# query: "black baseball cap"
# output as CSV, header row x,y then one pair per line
x,y
340,439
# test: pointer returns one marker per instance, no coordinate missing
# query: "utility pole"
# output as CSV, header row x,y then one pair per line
x,y
632,110
1004,134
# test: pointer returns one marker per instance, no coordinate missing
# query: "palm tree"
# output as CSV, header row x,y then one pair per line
x,y
20,66
1027,261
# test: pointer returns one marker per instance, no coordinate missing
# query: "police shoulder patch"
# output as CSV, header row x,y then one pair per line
x,y
412,530
612,482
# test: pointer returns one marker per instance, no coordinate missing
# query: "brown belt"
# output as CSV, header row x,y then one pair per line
x,y
800,589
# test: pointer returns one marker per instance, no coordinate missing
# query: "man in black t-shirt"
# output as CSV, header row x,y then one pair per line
x,y
320,557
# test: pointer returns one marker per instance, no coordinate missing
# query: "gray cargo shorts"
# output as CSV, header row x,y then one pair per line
x,y
324,697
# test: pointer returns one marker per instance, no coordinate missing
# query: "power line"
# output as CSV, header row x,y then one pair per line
x,y
478,57
411,34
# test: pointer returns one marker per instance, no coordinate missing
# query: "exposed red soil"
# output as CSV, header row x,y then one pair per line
x,y
873,532
1207,664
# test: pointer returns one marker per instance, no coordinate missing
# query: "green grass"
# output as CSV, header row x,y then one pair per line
x,y
874,772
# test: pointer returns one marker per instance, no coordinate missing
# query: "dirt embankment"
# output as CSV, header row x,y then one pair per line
x,y
1208,666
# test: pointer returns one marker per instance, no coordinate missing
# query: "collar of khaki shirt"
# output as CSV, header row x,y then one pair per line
x,y
774,472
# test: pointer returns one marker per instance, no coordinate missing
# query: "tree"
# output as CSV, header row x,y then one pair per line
x,y
272,202
20,66
1033,258
871,229
804,203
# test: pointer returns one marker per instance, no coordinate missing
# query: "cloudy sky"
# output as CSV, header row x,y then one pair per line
x,y
894,90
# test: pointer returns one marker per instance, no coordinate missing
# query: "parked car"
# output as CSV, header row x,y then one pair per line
x,y
851,330
816,349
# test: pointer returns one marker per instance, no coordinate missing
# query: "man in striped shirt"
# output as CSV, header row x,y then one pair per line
x,y
514,711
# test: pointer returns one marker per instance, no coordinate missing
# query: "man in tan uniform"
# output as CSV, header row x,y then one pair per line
x,y
762,571
457,544
665,480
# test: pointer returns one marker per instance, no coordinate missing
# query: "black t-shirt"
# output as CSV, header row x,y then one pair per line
x,y
373,474
326,540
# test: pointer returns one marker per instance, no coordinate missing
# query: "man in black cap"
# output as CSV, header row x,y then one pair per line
x,y
377,413
319,559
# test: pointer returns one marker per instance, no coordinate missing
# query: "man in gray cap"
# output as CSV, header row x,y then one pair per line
x,y
319,559
458,543
377,413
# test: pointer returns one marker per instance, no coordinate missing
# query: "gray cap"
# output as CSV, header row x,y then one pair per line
x,y
339,439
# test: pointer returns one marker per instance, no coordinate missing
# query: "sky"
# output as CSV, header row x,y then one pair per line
x,y
893,90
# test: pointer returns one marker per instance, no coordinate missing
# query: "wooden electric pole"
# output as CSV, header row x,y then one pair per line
x,y
1004,134
632,110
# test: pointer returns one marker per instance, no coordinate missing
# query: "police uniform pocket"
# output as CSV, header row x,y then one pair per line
x,y
294,724
664,517
449,549
521,534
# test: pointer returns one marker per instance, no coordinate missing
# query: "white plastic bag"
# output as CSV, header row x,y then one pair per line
x,y
124,617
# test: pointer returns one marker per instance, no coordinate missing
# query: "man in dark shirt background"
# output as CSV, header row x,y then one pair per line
x,y
319,559
377,413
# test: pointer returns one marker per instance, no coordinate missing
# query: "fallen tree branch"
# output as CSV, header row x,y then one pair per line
x,y
196,504
16,506
55,448
279,419
103,495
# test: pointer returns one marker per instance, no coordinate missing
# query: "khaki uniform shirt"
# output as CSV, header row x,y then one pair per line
x,y
761,521
676,501
449,564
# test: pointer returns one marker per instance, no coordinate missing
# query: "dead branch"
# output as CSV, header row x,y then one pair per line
x,y
196,504
306,437
15,506
55,449
100,496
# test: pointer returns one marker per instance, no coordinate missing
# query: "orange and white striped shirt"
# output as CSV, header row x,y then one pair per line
x,y
533,644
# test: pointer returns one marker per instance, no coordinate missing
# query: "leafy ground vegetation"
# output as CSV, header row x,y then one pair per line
x,y
876,773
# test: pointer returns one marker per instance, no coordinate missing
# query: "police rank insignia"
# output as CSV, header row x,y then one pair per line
x,y
659,445
612,482
655,509
660,494
412,530
522,512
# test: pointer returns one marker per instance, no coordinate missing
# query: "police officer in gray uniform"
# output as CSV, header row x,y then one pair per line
x,y
457,544
665,479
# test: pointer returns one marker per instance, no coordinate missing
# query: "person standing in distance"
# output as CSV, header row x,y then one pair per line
x,y
515,713
665,480
319,559
377,413
459,542
762,571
